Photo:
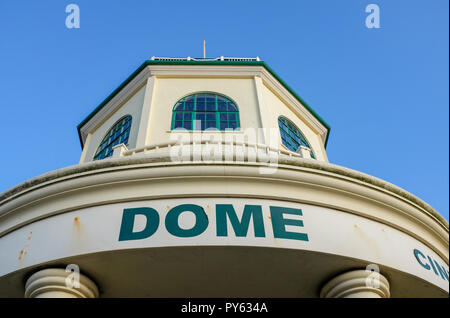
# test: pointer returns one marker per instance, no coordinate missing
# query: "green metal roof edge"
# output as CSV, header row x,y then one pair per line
x,y
107,99
215,62
301,100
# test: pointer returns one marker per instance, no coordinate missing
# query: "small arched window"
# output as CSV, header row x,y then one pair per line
x,y
118,134
202,111
292,137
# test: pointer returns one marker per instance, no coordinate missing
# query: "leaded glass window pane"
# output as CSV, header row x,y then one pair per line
x,y
292,137
119,133
208,110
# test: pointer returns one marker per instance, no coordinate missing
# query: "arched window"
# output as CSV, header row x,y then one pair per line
x,y
291,136
202,111
118,134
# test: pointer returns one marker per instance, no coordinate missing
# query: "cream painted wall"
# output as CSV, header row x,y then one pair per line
x,y
169,90
276,107
133,107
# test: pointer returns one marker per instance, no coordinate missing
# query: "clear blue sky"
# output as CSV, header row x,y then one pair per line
x,y
384,91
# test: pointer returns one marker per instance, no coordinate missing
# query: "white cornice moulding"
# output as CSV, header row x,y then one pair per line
x,y
278,89
118,100
296,179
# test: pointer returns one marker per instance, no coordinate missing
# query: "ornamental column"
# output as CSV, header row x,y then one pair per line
x,y
357,284
58,283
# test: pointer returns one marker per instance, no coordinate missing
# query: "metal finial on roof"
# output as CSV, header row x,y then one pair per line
x,y
221,58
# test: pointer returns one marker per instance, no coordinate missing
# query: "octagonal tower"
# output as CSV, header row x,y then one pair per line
x,y
203,90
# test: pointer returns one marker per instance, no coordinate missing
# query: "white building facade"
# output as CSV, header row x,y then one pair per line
x,y
210,178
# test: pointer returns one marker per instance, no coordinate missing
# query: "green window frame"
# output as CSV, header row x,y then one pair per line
x,y
292,137
118,134
205,110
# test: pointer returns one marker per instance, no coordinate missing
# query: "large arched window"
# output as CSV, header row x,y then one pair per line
x,y
118,134
205,111
291,136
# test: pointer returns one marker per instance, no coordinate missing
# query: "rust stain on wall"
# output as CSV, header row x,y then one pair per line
x,y
78,229
23,251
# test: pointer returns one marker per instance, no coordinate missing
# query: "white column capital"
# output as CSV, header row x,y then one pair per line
x,y
357,284
51,283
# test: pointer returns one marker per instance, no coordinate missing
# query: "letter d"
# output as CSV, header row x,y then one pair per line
x,y
128,217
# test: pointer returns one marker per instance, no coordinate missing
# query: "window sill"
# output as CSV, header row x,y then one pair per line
x,y
206,131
